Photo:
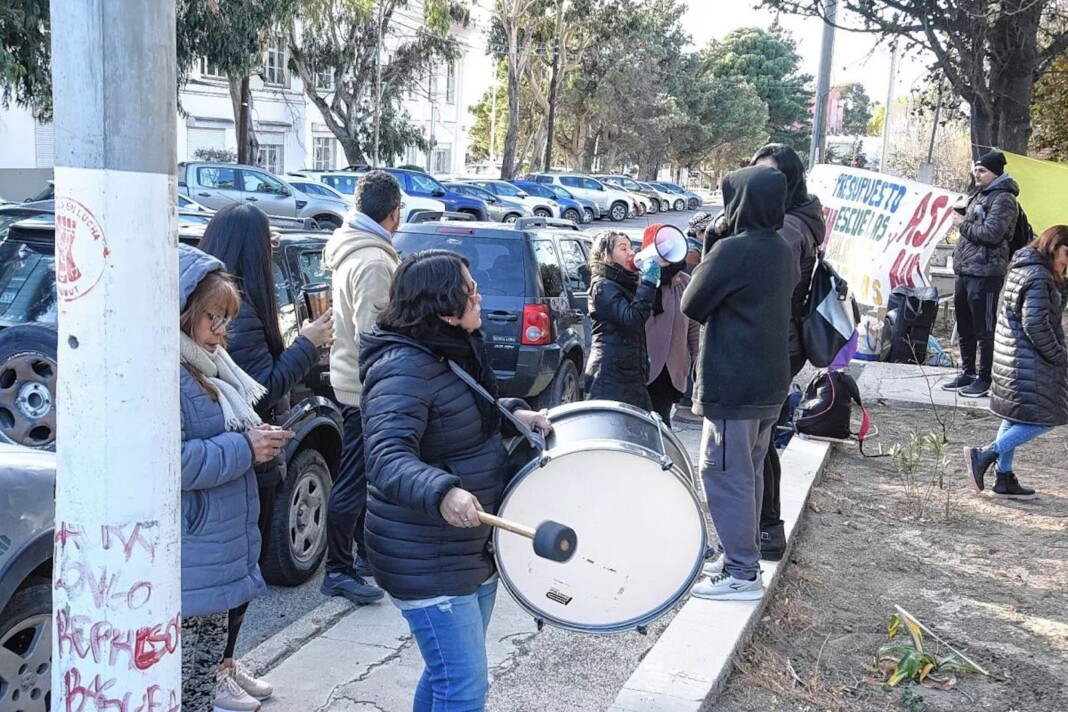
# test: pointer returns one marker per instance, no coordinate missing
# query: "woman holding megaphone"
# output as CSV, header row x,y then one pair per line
x,y
621,301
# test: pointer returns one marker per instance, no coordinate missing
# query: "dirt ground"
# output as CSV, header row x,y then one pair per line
x,y
988,576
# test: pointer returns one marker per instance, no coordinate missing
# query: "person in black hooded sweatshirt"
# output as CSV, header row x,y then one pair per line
x,y
741,293
803,229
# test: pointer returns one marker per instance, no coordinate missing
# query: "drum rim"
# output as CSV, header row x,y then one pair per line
x,y
630,624
619,407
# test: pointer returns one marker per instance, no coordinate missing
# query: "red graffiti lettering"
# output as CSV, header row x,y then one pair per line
x,y
103,643
155,642
99,695
129,542
65,532
107,591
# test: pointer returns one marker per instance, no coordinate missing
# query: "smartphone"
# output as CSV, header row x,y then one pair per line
x,y
297,415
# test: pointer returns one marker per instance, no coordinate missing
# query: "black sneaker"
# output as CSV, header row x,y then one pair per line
x,y
978,389
979,461
1008,487
353,588
961,381
361,567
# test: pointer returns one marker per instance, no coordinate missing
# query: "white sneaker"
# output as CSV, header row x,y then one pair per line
x,y
255,687
713,567
724,587
229,697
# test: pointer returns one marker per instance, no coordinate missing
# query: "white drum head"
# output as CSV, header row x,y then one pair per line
x,y
641,539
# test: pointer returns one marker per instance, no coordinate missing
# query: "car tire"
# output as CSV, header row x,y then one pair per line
x,y
297,542
618,212
694,204
564,388
510,218
328,222
588,216
654,207
473,213
572,215
542,213
26,638
680,205
28,368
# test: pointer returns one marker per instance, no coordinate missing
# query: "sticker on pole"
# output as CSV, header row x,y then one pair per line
x,y
81,251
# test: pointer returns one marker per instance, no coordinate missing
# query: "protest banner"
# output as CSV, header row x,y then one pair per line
x,y
881,230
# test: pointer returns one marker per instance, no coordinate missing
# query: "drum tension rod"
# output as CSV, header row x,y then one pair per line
x,y
665,461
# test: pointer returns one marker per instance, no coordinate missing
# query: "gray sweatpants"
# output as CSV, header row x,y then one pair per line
x,y
732,469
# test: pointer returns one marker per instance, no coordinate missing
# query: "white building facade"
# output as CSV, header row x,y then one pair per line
x,y
290,129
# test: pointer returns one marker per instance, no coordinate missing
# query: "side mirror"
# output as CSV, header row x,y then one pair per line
x,y
438,193
522,194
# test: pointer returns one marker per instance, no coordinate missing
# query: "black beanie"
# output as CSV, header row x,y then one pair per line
x,y
993,162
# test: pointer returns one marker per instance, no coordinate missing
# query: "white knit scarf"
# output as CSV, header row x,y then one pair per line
x,y
237,390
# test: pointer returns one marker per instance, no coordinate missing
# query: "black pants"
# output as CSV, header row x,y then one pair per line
x,y
664,395
975,300
235,617
770,504
348,498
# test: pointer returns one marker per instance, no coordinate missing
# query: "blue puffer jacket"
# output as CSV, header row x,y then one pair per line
x,y
220,503
423,436
247,346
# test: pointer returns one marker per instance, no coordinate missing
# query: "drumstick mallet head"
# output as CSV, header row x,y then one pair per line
x,y
552,540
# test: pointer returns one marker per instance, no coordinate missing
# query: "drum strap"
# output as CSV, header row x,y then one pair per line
x,y
535,439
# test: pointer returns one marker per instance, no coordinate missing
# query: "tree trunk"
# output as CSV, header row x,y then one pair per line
x,y
241,98
354,153
1015,52
512,135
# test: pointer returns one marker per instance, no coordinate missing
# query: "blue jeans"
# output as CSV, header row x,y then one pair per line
x,y
1011,436
452,638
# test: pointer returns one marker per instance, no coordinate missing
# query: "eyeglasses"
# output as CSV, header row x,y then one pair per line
x,y
219,322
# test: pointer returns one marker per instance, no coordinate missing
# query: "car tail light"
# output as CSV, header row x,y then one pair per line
x,y
536,331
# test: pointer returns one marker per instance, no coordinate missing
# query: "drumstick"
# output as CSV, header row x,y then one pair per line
x,y
552,540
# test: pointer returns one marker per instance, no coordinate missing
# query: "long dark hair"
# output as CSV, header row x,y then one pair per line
x,y
426,286
1047,244
240,236
789,163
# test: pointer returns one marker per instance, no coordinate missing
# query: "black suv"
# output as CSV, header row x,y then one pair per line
x,y
295,541
534,283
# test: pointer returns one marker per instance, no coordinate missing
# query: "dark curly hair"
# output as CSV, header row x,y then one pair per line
x,y
377,195
426,286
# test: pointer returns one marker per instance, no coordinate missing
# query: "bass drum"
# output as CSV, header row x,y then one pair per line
x,y
623,482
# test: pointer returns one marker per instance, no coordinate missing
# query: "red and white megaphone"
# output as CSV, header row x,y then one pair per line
x,y
662,242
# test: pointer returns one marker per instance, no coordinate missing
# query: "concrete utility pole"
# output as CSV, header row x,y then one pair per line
x,y
378,85
889,114
117,565
823,85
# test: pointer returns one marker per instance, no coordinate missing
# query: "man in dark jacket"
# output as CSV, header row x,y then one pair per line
x,y
980,261
741,293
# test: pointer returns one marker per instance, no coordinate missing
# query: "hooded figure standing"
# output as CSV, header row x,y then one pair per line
x,y
741,293
803,229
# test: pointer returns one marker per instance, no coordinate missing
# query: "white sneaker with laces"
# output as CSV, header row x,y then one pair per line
x,y
254,686
229,697
713,567
724,587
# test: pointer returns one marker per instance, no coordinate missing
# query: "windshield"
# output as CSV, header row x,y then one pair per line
x,y
27,283
538,190
346,185
475,191
506,189
561,192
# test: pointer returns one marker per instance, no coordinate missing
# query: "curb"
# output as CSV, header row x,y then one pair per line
x,y
690,662
273,652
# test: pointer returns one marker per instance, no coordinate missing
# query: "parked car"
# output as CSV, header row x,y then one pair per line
x,y
664,197
691,200
611,202
589,208
425,185
569,208
216,185
320,190
541,206
295,541
533,313
27,511
344,182
500,209
633,186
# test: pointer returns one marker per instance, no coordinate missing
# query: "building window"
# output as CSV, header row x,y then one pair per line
x,y
323,153
450,83
324,81
271,157
210,71
442,160
274,68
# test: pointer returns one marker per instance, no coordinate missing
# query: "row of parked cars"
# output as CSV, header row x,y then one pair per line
x,y
534,278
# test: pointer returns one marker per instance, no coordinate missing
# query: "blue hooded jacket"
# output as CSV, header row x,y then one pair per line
x,y
220,502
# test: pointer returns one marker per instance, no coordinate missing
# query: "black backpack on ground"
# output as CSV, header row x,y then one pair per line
x,y
827,407
1022,233
910,314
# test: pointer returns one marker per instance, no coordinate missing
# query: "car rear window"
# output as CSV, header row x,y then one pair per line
x,y
497,265
346,185
27,283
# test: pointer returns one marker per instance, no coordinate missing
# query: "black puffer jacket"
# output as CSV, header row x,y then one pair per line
x,y
1030,382
248,348
423,436
618,367
988,224
803,229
